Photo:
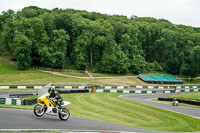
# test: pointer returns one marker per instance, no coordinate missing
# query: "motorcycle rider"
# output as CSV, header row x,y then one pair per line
x,y
55,95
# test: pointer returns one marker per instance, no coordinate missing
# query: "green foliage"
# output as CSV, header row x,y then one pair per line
x,y
22,51
8,34
155,66
185,69
138,64
191,67
114,60
195,61
99,42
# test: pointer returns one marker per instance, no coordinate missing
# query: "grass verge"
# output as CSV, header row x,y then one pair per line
x,y
27,107
109,107
188,96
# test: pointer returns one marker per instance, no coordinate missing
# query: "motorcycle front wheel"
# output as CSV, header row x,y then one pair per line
x,y
64,114
39,110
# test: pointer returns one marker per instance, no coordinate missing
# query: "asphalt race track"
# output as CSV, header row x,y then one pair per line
x,y
25,119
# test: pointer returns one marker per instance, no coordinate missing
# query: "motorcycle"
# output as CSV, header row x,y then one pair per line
x,y
175,102
46,105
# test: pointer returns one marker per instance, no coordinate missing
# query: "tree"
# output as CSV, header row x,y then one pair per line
x,y
22,51
138,64
195,61
8,34
114,60
58,59
186,69
191,64
172,65
59,47
53,55
45,57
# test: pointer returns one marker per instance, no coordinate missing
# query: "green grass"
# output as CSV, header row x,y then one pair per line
x,y
6,68
110,108
194,81
36,78
188,96
120,81
9,75
28,107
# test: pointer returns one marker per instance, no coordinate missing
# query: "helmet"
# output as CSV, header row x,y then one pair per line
x,y
51,90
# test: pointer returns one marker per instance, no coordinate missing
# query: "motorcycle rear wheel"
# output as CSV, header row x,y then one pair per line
x,y
38,110
64,114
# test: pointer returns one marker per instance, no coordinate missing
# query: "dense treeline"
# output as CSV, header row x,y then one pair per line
x,y
98,42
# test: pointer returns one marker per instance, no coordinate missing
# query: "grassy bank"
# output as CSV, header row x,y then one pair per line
x,y
194,81
188,96
9,75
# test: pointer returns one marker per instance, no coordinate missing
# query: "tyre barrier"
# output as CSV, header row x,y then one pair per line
x,y
21,95
30,101
11,101
181,101
17,101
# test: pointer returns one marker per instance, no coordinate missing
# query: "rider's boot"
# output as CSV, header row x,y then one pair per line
x,y
54,110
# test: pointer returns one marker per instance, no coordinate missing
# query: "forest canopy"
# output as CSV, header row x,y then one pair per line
x,y
98,42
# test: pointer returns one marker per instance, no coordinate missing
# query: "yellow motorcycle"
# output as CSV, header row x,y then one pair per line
x,y
50,106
